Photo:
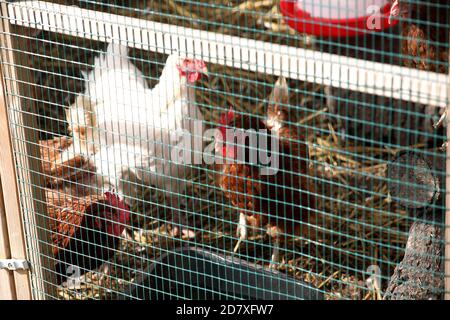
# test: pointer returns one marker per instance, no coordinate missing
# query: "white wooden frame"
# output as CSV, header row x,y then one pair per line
x,y
307,65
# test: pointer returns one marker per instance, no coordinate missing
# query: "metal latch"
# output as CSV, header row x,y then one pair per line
x,y
14,264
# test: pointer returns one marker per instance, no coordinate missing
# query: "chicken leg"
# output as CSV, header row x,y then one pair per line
x,y
274,233
241,231
439,123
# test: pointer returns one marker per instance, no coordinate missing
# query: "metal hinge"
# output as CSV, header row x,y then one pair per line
x,y
14,264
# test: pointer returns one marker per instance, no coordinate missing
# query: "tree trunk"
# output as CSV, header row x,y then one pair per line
x,y
420,275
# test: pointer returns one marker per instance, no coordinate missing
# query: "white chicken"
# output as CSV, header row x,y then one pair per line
x,y
136,131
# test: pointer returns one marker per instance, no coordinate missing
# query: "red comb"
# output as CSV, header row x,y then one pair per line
x,y
225,118
115,202
116,213
110,196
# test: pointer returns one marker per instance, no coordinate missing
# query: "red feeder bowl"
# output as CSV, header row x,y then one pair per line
x,y
337,18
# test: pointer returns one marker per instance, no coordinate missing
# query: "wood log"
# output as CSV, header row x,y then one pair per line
x,y
420,275
416,181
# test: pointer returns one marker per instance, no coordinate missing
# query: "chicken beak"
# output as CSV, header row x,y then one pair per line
x,y
205,72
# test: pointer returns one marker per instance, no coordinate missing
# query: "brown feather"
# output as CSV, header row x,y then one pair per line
x,y
279,200
54,169
425,32
85,229
66,215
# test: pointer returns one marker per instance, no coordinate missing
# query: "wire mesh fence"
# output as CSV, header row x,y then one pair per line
x,y
230,149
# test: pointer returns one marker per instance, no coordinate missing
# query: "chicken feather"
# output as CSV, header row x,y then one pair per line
x,y
138,131
283,202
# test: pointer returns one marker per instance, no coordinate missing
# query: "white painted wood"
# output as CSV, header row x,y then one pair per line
x,y
297,63
7,287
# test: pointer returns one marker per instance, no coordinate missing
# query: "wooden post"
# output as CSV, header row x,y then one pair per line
x,y
447,201
7,289
24,201
12,219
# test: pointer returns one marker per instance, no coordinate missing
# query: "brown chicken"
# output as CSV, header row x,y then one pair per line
x,y
282,202
86,229
56,170
425,32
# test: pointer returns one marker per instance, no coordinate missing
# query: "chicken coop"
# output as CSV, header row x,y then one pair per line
x,y
230,149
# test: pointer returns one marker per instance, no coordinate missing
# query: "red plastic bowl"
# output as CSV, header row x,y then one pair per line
x,y
302,21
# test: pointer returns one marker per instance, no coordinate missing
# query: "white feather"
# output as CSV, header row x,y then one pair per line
x,y
138,127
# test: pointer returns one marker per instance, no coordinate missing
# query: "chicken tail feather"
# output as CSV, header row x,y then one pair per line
x,y
111,67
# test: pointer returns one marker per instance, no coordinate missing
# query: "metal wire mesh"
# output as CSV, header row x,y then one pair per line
x,y
361,165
